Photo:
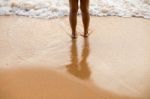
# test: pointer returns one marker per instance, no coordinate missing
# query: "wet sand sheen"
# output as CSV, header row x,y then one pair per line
x,y
41,84
112,63
45,83
80,68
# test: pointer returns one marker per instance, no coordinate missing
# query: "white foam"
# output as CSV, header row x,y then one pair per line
x,y
58,8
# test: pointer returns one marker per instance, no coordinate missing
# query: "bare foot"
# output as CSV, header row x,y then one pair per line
x,y
85,35
73,36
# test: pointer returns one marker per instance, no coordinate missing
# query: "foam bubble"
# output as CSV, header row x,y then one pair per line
x,y
58,8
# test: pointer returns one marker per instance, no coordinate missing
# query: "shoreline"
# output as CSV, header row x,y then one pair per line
x,y
61,17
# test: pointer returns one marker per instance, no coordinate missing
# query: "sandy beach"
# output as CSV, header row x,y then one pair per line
x,y
39,60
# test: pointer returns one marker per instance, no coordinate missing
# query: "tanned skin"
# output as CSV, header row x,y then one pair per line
x,y
84,6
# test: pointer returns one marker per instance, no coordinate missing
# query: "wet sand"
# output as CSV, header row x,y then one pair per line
x,y
39,60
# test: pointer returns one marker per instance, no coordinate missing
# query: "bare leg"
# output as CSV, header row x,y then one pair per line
x,y
85,15
73,16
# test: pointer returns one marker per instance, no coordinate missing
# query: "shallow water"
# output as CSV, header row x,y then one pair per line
x,y
59,8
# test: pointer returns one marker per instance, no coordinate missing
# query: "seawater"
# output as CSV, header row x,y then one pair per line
x,y
58,8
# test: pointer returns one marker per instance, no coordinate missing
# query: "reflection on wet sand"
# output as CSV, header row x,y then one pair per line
x,y
78,68
118,59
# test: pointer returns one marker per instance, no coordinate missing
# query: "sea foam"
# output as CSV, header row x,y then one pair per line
x,y
59,8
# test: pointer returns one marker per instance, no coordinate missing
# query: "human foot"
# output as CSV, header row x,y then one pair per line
x,y
85,35
73,36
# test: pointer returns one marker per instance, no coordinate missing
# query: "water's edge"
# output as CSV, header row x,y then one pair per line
x,y
58,8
